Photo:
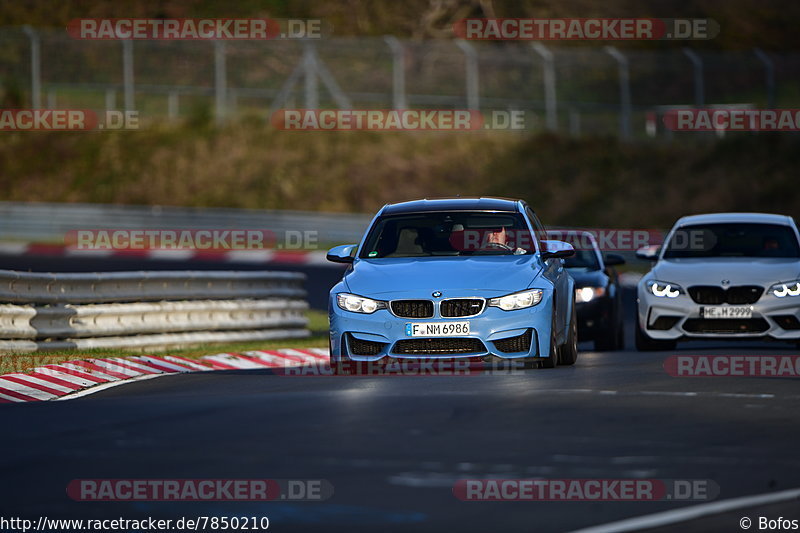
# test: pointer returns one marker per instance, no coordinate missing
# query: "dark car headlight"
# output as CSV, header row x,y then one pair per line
x,y
358,304
587,294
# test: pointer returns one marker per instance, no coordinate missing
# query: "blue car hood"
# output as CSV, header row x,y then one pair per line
x,y
497,273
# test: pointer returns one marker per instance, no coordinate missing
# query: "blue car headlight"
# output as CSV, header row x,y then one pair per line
x,y
518,300
782,290
664,289
358,304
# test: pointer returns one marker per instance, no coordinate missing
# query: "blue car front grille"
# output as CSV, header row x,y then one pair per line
x,y
440,346
412,308
459,307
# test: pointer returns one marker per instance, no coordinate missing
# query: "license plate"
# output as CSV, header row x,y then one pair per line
x,y
437,329
731,311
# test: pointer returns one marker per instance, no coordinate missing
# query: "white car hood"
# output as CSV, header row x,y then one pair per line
x,y
737,270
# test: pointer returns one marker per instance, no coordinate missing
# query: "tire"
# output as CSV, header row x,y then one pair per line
x,y
552,361
569,351
646,344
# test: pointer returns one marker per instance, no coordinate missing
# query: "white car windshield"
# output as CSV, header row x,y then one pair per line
x,y
733,240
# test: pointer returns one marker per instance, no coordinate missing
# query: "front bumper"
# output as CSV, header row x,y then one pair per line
x,y
486,329
673,318
594,317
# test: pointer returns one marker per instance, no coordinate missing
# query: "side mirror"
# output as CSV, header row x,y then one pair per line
x,y
613,260
342,254
557,250
648,253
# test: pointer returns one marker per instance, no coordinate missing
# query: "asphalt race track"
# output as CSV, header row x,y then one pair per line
x,y
393,447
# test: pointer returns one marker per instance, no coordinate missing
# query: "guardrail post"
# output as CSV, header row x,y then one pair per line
x,y
769,74
472,74
111,99
220,74
127,73
574,123
36,67
697,66
398,72
624,92
549,75
172,105
310,70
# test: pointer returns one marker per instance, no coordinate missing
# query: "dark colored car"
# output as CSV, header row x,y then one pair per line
x,y
598,298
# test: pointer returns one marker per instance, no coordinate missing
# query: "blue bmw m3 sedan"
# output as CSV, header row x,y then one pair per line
x,y
454,277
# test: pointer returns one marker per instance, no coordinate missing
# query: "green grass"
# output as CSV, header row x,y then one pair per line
x,y
318,325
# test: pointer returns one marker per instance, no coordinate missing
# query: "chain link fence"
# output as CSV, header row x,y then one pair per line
x,y
599,90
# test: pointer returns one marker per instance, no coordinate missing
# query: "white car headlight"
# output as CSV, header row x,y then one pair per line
x,y
782,290
587,294
664,289
518,300
358,304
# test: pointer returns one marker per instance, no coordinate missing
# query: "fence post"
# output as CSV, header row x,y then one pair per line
x,y
111,99
220,82
471,64
172,105
549,74
574,123
769,67
310,71
127,73
398,72
697,65
624,92
36,67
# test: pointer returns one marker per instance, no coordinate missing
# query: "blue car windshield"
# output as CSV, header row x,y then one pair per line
x,y
733,240
455,233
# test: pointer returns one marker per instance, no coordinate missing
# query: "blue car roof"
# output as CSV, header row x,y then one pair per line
x,y
452,204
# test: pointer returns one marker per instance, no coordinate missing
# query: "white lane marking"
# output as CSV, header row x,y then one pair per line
x,y
104,386
676,516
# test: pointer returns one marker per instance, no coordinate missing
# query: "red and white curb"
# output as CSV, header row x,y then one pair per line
x,y
62,380
293,257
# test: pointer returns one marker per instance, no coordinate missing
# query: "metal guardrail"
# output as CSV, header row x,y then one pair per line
x,y
89,287
148,309
51,221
